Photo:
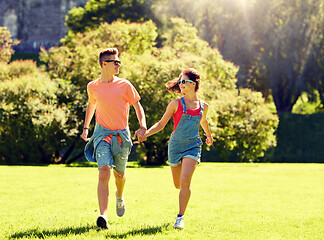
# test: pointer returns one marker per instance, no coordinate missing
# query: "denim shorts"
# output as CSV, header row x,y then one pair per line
x,y
104,157
179,150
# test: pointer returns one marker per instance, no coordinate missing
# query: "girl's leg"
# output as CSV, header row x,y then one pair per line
x,y
187,170
103,190
176,173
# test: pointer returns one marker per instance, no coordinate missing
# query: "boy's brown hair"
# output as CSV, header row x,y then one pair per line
x,y
107,52
192,74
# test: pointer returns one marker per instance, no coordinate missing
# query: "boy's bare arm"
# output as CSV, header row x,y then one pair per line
x,y
89,114
142,121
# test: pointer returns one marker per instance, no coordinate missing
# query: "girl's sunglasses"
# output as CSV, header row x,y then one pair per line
x,y
116,62
183,81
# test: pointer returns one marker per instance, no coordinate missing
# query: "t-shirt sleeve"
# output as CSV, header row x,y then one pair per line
x,y
91,98
132,95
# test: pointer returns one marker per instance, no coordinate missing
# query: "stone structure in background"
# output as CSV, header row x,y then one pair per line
x,y
36,23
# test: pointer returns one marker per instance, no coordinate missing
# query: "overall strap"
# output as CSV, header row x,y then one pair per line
x,y
201,107
183,105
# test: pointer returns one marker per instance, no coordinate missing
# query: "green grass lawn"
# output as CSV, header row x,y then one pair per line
x,y
229,201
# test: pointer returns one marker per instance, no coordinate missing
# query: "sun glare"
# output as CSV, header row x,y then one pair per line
x,y
245,14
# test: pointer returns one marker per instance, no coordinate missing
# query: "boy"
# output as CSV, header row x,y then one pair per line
x,y
110,144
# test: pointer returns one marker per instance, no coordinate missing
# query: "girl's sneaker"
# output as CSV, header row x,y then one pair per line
x,y
102,222
179,224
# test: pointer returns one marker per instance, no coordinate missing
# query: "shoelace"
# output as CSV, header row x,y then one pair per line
x,y
120,203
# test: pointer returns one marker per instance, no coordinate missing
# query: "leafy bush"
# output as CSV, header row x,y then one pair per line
x,y
246,125
17,69
308,103
32,123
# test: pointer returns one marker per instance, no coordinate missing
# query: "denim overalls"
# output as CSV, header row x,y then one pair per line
x,y
185,141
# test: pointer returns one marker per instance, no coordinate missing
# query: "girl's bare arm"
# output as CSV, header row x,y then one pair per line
x,y
171,109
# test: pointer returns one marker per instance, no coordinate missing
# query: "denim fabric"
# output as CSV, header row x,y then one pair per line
x,y
185,141
104,157
100,133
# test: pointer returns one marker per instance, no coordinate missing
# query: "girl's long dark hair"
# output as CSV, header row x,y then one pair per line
x,y
192,74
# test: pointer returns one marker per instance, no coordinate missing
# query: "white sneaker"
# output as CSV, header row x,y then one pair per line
x,y
120,206
102,222
179,224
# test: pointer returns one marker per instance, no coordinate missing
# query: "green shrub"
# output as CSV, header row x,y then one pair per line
x,y
308,104
32,123
245,126
17,68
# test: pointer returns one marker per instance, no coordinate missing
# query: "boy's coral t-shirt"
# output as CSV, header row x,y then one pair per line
x,y
113,100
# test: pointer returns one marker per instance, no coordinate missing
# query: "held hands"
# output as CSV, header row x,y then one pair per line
x,y
140,134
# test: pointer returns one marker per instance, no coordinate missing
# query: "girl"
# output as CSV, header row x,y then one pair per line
x,y
185,144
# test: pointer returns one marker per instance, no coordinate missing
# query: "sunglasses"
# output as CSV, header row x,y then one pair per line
x,y
183,81
116,62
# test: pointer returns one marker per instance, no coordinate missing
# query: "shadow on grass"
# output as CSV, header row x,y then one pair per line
x,y
145,230
24,164
52,233
130,164
44,234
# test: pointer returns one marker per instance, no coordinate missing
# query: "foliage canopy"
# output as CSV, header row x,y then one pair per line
x,y
149,68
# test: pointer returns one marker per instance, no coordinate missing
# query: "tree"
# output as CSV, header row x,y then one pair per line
x,y
315,76
224,24
96,12
6,44
273,42
287,43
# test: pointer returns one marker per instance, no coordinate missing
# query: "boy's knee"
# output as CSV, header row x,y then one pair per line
x,y
119,175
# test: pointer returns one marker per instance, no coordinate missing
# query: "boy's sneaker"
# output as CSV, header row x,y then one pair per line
x,y
102,222
179,224
120,206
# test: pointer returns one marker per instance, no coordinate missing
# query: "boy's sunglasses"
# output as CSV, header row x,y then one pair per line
x,y
116,62
183,81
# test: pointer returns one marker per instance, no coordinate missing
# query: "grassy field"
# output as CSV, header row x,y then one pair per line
x,y
229,201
